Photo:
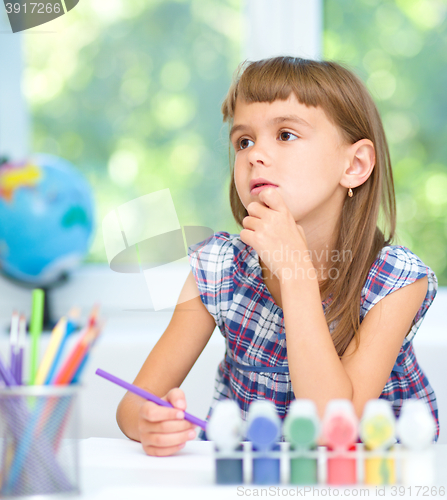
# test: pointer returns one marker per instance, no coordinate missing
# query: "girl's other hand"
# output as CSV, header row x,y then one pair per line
x,y
164,431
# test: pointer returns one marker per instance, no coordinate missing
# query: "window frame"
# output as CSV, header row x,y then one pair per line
x,y
14,115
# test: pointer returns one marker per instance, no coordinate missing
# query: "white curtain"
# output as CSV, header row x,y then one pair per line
x,y
282,27
14,119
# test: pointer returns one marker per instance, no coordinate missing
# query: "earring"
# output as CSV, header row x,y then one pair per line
x,y
350,193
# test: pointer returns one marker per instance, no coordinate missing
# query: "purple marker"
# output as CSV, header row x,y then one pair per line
x,y
6,375
13,340
21,349
147,395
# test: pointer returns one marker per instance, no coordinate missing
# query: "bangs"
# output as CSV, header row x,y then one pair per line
x,y
272,79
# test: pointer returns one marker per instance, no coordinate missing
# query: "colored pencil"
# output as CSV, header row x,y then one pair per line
x,y
83,364
37,430
13,341
21,349
36,330
74,360
91,322
6,374
70,328
56,338
147,395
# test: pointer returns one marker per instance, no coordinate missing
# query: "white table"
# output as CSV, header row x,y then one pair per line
x,y
118,469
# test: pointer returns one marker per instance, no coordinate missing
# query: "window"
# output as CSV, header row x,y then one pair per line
x,y
129,92
132,99
399,49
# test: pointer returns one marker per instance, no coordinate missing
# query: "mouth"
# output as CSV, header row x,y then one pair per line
x,y
257,185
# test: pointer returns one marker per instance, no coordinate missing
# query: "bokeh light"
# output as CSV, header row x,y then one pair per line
x,y
401,53
139,84
130,92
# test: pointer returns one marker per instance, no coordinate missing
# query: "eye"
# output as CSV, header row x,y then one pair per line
x,y
287,136
244,143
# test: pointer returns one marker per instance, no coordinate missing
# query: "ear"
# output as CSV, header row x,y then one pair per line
x,y
362,158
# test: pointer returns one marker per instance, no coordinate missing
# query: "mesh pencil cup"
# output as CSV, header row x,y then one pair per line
x,y
38,441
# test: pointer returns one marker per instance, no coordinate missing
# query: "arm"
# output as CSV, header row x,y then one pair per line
x,y
158,428
382,333
315,369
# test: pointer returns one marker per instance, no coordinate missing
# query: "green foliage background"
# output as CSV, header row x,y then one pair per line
x,y
130,92
399,49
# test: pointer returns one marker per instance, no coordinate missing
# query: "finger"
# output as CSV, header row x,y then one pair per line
x,y
155,413
256,209
153,451
177,398
247,236
165,427
162,440
154,440
272,199
251,223
164,445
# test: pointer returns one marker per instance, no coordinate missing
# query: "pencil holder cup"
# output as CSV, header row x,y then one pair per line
x,y
38,441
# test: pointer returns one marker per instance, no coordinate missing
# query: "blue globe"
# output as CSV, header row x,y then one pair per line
x,y
46,219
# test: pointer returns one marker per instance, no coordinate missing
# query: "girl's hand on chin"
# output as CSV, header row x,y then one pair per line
x,y
279,241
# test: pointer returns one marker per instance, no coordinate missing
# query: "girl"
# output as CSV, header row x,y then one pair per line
x,y
311,297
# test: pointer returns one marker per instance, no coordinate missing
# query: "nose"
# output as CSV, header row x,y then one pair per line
x,y
258,155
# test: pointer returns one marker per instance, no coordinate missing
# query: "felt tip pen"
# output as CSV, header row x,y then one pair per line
x,y
147,395
38,299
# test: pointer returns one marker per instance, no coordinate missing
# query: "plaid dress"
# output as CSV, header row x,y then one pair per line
x,y
229,279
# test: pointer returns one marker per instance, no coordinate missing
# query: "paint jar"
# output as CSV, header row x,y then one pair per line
x,y
225,429
39,446
264,431
301,429
377,432
416,429
340,431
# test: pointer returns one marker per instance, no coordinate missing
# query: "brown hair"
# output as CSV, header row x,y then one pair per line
x,y
348,104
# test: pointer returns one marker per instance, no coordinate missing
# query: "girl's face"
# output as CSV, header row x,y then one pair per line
x,y
295,148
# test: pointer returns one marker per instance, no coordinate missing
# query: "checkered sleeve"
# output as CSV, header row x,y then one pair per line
x,y
211,263
394,268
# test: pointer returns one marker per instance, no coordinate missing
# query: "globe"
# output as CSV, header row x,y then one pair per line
x,y
46,219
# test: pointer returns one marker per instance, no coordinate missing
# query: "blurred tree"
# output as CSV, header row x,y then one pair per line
x,y
399,49
130,92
